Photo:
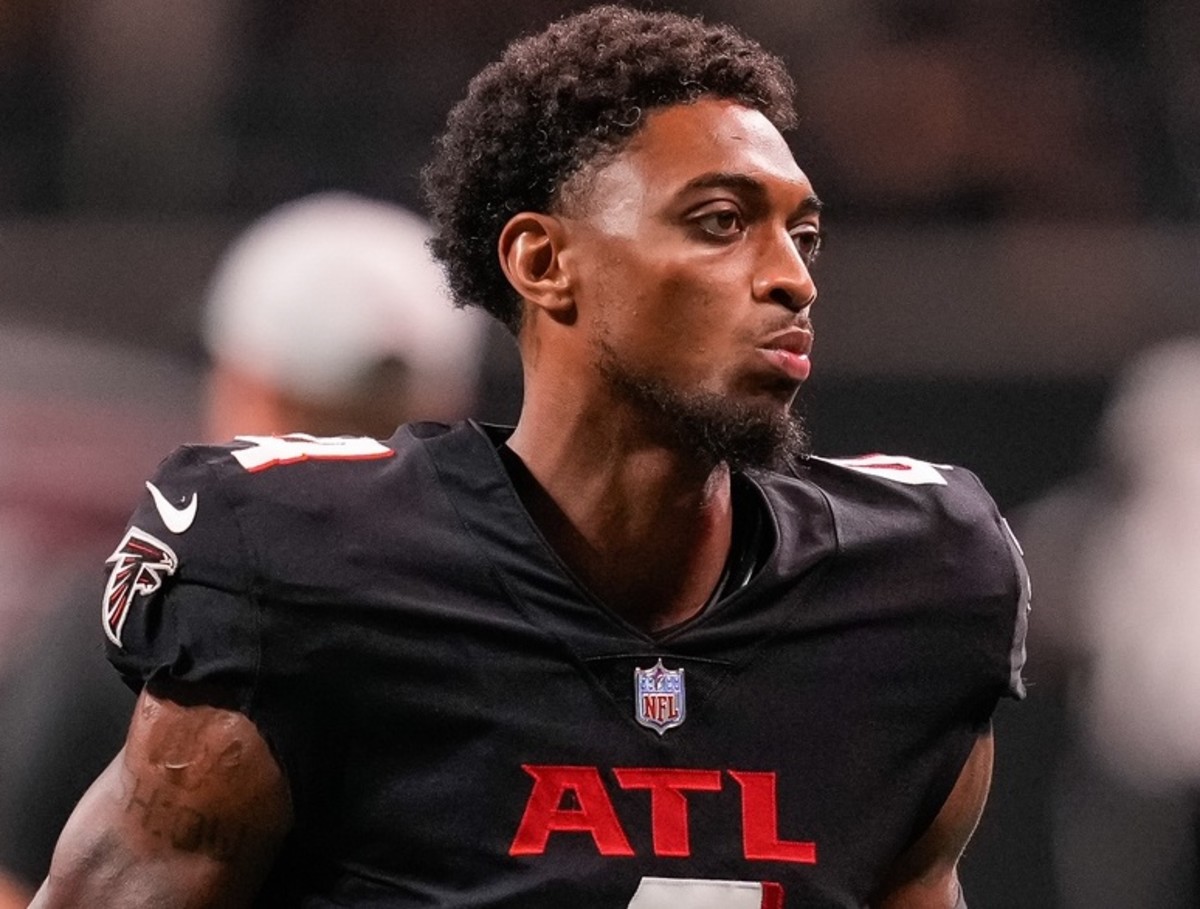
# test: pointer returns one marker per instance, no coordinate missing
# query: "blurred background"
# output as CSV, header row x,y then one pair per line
x,y
1013,191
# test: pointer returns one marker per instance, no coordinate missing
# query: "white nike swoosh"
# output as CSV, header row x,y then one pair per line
x,y
177,519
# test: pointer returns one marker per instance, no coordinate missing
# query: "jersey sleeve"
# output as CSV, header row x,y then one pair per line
x,y
945,557
1016,662
178,600
223,590
183,607
1013,578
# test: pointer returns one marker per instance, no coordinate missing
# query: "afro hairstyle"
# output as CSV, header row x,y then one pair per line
x,y
565,98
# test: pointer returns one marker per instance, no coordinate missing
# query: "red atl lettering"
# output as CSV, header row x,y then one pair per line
x,y
760,822
593,812
544,813
668,804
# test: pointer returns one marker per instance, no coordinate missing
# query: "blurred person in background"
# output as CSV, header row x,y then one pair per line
x,y
81,421
327,317
1117,554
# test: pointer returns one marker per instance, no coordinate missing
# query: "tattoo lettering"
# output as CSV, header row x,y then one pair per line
x,y
185,828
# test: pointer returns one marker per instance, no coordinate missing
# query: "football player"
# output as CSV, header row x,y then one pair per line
x,y
640,650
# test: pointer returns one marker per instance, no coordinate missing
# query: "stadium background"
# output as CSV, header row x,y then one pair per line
x,y
1013,190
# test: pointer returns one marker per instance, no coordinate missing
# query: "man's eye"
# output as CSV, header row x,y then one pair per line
x,y
724,223
808,244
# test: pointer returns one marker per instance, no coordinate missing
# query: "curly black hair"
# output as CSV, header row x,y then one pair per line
x,y
560,99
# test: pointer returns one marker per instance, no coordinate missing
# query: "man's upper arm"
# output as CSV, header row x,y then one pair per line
x,y
190,813
926,876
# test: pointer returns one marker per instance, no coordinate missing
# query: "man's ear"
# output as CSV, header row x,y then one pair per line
x,y
531,254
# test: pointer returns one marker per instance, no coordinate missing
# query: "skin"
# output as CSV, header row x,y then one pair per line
x,y
679,261
190,813
684,282
13,893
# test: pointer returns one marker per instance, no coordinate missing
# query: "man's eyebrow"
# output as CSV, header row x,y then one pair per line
x,y
810,206
751,186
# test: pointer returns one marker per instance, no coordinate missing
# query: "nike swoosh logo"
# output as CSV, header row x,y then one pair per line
x,y
177,520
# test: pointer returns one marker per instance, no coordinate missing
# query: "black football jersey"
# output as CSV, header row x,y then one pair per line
x,y
462,724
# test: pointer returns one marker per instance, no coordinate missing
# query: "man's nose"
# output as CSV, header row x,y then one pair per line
x,y
783,277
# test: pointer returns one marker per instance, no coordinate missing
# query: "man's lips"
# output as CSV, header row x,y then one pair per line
x,y
794,339
788,350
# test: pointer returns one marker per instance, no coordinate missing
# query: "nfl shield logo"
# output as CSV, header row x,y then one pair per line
x,y
661,698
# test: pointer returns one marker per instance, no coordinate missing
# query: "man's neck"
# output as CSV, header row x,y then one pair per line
x,y
646,528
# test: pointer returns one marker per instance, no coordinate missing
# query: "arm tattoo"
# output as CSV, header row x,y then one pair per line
x,y
182,826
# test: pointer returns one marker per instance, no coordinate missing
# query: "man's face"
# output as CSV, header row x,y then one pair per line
x,y
692,251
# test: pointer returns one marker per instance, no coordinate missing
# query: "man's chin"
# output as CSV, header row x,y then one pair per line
x,y
746,437
717,430
761,431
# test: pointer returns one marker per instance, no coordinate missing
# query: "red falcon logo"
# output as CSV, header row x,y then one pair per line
x,y
139,565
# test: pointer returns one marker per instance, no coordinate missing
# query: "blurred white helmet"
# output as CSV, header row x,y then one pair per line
x,y
319,294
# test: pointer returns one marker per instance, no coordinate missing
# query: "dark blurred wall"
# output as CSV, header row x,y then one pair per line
x,y
930,110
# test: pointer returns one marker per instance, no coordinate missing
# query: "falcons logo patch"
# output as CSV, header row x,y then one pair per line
x,y
139,566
